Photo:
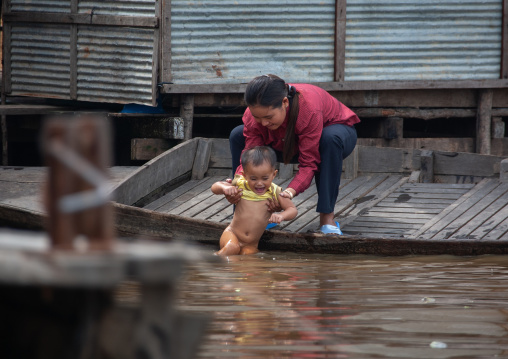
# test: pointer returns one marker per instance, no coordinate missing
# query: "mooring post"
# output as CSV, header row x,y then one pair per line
x,y
483,122
187,113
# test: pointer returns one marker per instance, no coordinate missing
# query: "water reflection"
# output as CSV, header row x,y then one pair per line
x,y
284,305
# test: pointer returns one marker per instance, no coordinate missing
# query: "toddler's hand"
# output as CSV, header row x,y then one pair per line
x,y
275,218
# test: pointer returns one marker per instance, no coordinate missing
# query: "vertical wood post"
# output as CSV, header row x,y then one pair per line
x,y
187,113
340,40
5,157
498,127
393,128
427,166
483,122
503,172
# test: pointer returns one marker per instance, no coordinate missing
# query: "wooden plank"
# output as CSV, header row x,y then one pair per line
x,y
498,127
202,159
148,148
161,201
183,198
82,19
418,221
441,206
221,205
30,109
187,113
485,219
192,198
414,210
483,121
427,166
466,164
382,159
504,42
400,215
340,40
350,165
307,210
501,230
165,64
376,196
382,224
455,209
472,212
157,126
408,196
348,86
156,173
441,144
503,171
220,155
346,201
436,187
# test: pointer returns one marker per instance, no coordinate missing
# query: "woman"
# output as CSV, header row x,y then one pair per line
x,y
304,124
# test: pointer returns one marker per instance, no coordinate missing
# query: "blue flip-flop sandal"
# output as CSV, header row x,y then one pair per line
x,y
329,229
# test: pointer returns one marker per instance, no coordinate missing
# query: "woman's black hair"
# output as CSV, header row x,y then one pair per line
x,y
269,91
258,155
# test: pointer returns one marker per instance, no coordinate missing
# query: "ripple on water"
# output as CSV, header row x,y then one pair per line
x,y
286,305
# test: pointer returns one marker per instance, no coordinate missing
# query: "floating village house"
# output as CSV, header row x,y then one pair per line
x,y
403,66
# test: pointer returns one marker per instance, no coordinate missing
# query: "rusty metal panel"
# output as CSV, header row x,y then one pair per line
x,y
40,60
228,41
40,5
115,64
115,7
423,39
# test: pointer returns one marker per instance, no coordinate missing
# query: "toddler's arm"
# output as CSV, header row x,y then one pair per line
x,y
224,188
289,211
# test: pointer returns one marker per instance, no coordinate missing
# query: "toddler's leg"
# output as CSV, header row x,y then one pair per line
x,y
228,243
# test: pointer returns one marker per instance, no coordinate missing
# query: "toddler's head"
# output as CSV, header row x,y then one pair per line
x,y
259,168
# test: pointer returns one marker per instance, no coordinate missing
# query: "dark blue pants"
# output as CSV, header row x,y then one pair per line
x,y
337,142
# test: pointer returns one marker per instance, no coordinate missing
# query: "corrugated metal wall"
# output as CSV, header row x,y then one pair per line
x,y
227,41
114,63
40,57
41,5
423,40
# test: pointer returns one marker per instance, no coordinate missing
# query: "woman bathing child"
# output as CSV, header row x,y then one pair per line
x,y
251,213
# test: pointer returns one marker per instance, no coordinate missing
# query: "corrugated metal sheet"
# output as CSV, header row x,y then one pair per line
x,y
115,64
41,5
423,39
115,7
227,41
40,58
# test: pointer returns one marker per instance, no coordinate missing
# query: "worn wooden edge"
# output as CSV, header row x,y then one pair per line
x,y
133,222
156,173
346,86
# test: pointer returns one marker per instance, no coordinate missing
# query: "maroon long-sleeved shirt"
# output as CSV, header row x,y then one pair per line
x,y
318,109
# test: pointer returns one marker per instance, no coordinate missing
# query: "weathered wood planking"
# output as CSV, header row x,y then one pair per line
x,y
415,212
455,209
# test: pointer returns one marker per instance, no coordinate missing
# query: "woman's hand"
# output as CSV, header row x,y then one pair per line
x,y
233,194
274,206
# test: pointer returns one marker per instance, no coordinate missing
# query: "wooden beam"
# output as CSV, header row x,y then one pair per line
x,y
392,128
347,86
503,172
202,159
187,113
165,64
157,126
504,42
483,122
25,109
144,149
81,19
340,40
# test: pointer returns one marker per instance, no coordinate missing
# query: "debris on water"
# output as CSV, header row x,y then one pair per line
x,y
438,345
428,300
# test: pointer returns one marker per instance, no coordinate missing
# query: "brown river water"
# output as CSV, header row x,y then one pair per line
x,y
288,305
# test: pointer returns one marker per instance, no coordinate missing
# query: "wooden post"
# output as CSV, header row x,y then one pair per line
x,y
393,128
483,122
350,165
78,156
426,167
498,127
187,113
340,40
201,159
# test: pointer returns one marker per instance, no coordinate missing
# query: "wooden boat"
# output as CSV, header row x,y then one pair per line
x,y
391,202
